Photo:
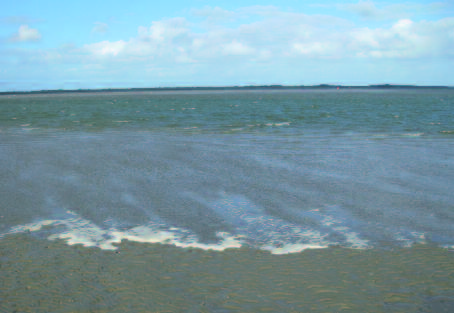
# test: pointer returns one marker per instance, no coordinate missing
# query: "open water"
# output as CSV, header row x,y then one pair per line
x,y
275,171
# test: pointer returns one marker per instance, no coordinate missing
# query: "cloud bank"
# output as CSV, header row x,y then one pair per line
x,y
280,35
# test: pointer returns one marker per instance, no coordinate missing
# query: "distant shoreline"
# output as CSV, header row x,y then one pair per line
x,y
221,88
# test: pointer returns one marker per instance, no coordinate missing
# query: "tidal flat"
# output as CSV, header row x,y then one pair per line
x,y
37,275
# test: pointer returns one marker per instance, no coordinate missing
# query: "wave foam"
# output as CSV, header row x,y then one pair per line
x,y
253,228
81,231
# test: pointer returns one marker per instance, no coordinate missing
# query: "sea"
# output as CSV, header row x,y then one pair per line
x,y
304,200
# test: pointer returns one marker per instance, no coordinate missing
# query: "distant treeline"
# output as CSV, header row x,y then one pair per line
x,y
252,87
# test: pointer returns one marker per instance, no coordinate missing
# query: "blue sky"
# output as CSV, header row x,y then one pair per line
x,y
107,44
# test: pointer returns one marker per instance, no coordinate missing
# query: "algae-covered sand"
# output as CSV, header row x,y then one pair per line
x,y
49,276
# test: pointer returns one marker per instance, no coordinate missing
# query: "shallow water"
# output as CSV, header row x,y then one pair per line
x,y
280,171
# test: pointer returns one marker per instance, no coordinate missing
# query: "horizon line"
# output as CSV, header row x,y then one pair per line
x,y
227,87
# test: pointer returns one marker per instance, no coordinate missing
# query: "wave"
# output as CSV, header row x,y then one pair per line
x,y
254,229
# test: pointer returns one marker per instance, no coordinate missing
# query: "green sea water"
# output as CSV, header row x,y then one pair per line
x,y
367,111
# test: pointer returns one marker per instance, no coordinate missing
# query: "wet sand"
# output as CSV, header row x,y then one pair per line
x,y
37,275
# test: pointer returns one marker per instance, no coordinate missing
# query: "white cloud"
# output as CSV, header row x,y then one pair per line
x,y
367,10
183,56
106,48
26,33
279,36
236,48
165,30
315,48
405,39
100,28
215,13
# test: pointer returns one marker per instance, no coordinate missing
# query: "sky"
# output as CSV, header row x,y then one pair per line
x,y
110,44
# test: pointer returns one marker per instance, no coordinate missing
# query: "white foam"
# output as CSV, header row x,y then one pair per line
x,y
83,232
352,238
414,134
253,227
228,242
407,240
356,242
30,227
293,248
264,231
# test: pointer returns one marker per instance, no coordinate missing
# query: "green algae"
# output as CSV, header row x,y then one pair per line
x,y
49,276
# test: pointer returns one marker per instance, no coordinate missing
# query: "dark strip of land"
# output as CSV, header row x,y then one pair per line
x,y
250,87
